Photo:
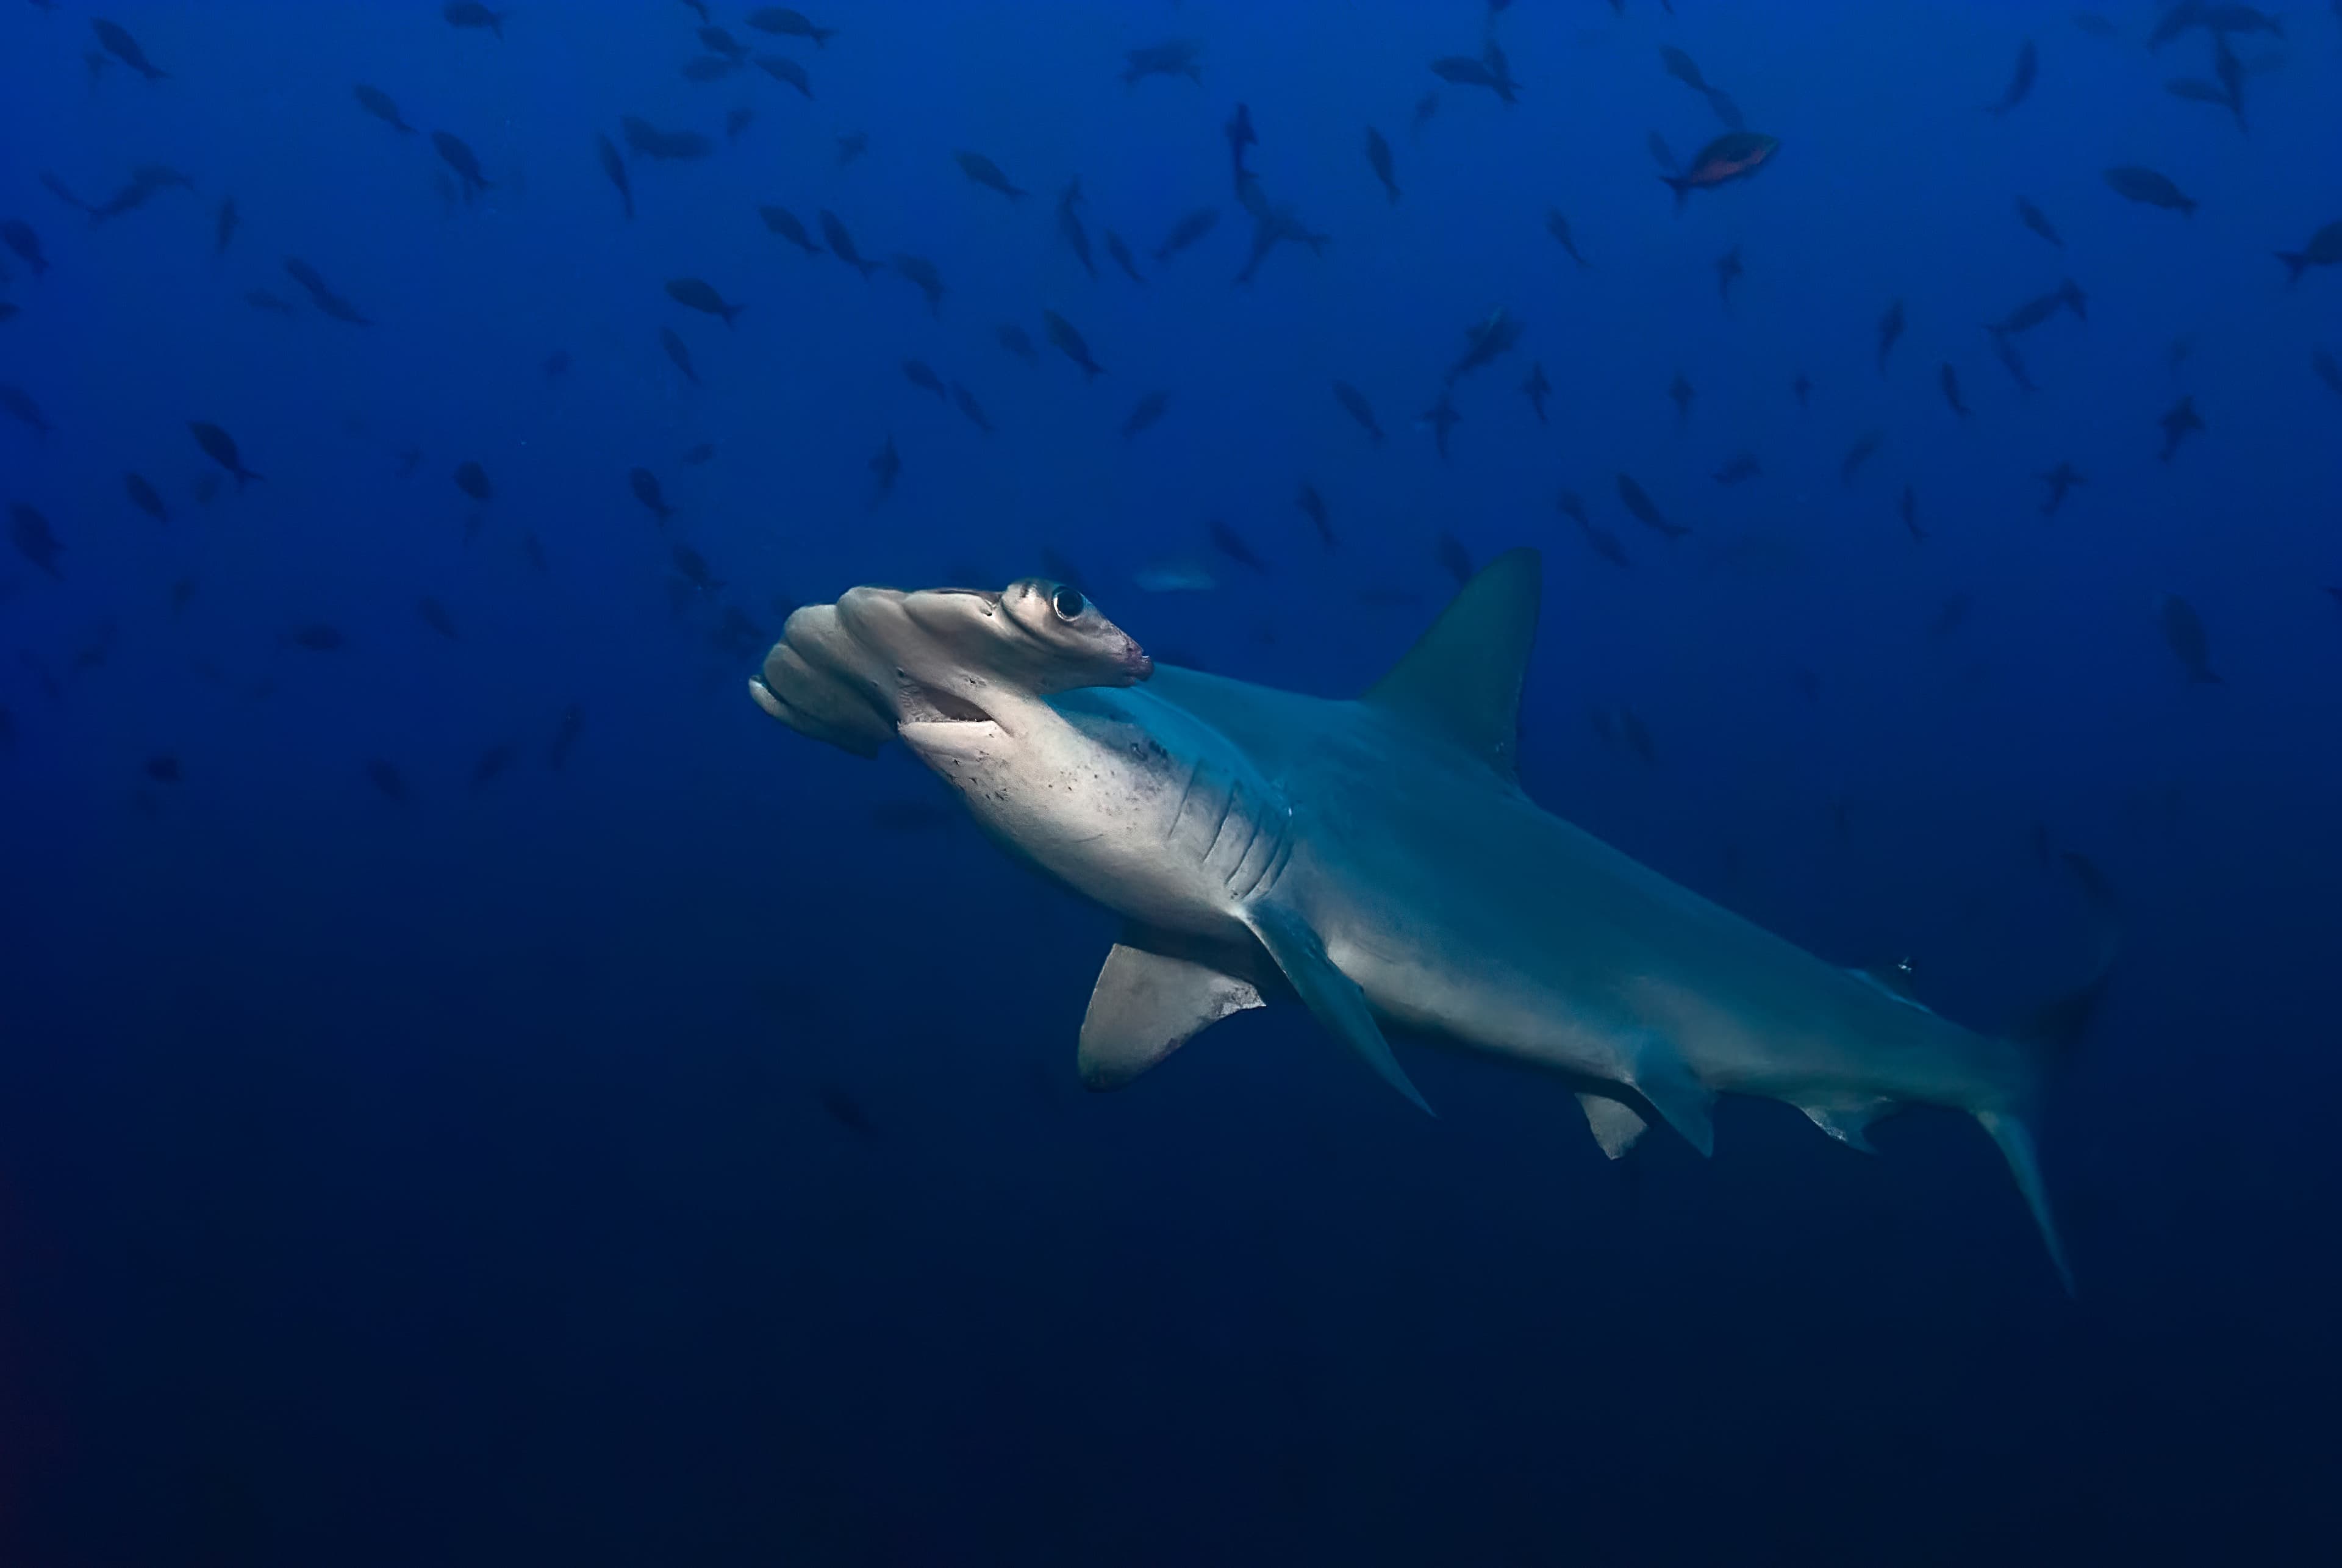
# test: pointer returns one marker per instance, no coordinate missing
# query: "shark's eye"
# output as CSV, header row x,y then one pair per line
x,y
1068,602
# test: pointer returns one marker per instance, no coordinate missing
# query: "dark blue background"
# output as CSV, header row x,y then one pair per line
x,y
676,1157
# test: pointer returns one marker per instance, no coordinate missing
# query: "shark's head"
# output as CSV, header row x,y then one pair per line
x,y
933,663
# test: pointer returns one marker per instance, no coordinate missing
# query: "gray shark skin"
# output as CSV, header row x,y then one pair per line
x,y
1377,859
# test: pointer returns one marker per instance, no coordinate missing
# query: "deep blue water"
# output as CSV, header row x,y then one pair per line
x,y
653,1137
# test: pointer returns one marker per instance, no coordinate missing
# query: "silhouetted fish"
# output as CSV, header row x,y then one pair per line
x,y
1557,227
378,103
1231,543
965,401
564,737
1734,155
2180,421
1313,506
987,173
19,236
646,486
1865,447
841,244
2059,480
145,498
1378,158
615,168
385,777
784,22
1172,57
18,404
922,375
885,468
473,481
1120,252
2033,218
922,276
458,157
34,540
1890,329
1070,342
2183,630
1441,419
1536,388
666,146
220,448
434,615
1187,232
697,294
472,13
1069,225
1018,341
1951,380
1645,511
1145,412
2148,188
679,352
2020,81
119,44
1355,404
2324,249
784,223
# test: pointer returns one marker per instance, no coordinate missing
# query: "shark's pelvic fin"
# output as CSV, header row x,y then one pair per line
x,y
1846,1120
1682,1101
1147,1005
1462,679
1333,996
2015,1142
1615,1126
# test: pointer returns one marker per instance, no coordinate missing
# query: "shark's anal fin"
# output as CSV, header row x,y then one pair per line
x,y
2016,1140
1331,995
1615,1124
1461,682
1682,1101
1147,1005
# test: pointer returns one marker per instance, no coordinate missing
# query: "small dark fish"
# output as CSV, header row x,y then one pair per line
x,y
472,13
2096,25
2033,218
57,187
564,737
922,274
317,637
1173,57
1557,227
327,302
1681,67
1442,418
385,777
1743,465
556,364
460,158
1484,341
473,481
1951,380
788,72
1240,136
2183,629
2324,249
1680,393
1425,107
1313,506
666,146
34,540
1727,270
145,498
1069,342
225,223
1378,158
163,769
2020,81
434,615
207,488
852,145
491,766
220,448
784,223
1536,388
1638,738
922,375
693,568
1145,412
847,1112
8,312
841,244
1018,341
2177,424
1231,543
124,48
1599,539
1802,389
1454,557
378,103
2149,189
1187,232
2059,480
1907,508
19,236
2005,348
1890,329
965,401
697,294
1645,511
1489,72
615,168
718,42
1726,109
19,406
1662,154
782,22
1734,155
646,486
887,467
1120,252
2068,295
1069,225
679,352
1355,404
1865,447
987,173
703,453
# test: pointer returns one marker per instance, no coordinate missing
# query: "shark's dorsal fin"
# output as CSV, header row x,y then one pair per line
x,y
1462,679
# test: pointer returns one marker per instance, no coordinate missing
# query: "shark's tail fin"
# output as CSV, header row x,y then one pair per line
x,y
2049,1037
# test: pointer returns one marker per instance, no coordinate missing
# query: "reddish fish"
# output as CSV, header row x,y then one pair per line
x,y
1733,156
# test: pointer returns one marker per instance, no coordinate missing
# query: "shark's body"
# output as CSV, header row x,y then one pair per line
x,y
1380,857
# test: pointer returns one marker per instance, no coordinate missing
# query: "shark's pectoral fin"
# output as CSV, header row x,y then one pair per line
x,y
1148,1005
1333,996
1682,1101
1615,1126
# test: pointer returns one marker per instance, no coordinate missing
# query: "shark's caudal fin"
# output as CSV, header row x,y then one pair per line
x,y
1461,682
2050,1036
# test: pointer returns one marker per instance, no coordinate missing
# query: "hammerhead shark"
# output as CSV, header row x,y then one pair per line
x,y
1377,859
